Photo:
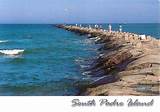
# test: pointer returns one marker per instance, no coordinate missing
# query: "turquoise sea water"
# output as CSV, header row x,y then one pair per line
x,y
52,60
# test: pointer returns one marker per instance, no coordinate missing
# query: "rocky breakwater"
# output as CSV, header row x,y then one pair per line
x,y
127,65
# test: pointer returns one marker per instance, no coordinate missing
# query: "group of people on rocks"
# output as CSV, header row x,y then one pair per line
x,y
100,26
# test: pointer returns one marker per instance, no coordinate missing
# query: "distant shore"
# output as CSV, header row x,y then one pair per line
x,y
129,64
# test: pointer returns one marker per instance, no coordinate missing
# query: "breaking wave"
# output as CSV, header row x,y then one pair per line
x,y
12,52
3,41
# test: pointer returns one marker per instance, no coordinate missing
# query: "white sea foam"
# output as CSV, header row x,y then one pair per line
x,y
99,78
86,73
12,52
87,41
95,39
84,66
3,41
79,60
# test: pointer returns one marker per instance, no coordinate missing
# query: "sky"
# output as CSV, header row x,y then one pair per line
x,y
79,11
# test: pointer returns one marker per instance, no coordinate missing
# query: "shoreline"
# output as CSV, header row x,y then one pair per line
x,y
127,65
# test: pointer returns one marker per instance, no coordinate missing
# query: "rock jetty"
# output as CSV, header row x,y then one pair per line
x,y
129,64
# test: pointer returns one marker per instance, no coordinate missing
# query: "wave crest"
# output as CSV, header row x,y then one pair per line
x,y
12,52
3,41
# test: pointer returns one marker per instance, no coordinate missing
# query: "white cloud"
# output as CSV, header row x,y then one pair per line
x,y
66,10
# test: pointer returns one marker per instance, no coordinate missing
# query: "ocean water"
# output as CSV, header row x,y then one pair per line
x,y
45,60
41,60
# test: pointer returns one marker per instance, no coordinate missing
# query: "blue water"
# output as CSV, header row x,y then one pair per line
x,y
49,64
52,58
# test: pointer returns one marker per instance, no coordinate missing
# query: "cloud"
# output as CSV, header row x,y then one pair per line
x,y
66,10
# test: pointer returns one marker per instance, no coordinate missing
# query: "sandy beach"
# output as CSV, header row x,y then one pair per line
x,y
127,65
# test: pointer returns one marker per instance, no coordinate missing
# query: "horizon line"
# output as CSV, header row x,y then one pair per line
x,y
90,23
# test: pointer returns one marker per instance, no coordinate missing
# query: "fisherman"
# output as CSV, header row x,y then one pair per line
x,y
100,26
120,28
96,26
110,28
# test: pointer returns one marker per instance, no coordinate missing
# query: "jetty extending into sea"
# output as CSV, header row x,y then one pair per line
x,y
129,64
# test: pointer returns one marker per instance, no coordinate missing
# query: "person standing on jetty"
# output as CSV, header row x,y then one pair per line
x,y
120,28
110,28
96,26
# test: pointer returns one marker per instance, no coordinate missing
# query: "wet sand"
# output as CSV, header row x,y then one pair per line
x,y
127,65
